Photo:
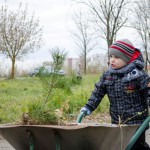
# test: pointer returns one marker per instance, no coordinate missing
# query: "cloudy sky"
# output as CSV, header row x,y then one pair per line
x,y
54,16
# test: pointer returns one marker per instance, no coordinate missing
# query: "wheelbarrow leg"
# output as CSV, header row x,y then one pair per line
x,y
57,137
31,140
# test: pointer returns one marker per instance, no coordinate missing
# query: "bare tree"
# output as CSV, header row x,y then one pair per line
x,y
109,16
19,34
83,37
141,23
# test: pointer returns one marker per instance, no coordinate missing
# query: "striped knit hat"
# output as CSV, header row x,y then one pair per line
x,y
123,49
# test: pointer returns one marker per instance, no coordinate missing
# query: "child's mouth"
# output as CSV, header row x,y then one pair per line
x,y
112,65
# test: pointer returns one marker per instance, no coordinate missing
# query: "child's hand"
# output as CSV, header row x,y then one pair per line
x,y
85,110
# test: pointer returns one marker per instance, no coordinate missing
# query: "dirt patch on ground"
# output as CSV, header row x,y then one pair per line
x,y
4,145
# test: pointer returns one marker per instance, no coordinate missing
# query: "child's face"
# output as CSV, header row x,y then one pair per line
x,y
116,62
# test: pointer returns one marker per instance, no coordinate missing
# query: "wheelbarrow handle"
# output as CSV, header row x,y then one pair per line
x,y
80,116
138,133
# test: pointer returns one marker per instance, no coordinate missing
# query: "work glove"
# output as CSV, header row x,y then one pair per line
x,y
85,110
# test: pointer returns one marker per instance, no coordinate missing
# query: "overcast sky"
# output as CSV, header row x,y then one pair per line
x,y
54,16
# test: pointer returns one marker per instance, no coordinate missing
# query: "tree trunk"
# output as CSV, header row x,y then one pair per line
x,y
109,43
146,61
12,69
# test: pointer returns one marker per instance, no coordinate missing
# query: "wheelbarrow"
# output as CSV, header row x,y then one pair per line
x,y
79,136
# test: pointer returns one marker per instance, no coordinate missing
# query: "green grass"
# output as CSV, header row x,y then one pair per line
x,y
17,94
14,94
83,92
19,89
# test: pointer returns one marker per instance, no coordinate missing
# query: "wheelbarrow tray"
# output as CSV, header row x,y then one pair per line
x,y
72,137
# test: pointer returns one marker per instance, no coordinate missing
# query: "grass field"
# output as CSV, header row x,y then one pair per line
x,y
15,95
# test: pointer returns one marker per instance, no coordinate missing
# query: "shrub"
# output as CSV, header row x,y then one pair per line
x,y
39,113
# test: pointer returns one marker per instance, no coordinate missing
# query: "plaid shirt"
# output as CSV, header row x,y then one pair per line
x,y
127,89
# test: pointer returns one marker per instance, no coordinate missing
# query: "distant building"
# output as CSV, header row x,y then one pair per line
x,y
95,61
99,60
71,63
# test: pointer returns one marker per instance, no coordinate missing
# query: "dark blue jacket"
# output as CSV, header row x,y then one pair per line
x,y
127,89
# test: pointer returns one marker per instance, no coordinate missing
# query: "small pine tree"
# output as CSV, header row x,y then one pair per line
x,y
52,80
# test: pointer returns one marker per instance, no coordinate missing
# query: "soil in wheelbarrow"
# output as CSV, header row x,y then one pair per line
x,y
96,118
99,118
67,120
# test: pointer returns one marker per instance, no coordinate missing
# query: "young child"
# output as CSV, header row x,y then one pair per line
x,y
127,87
